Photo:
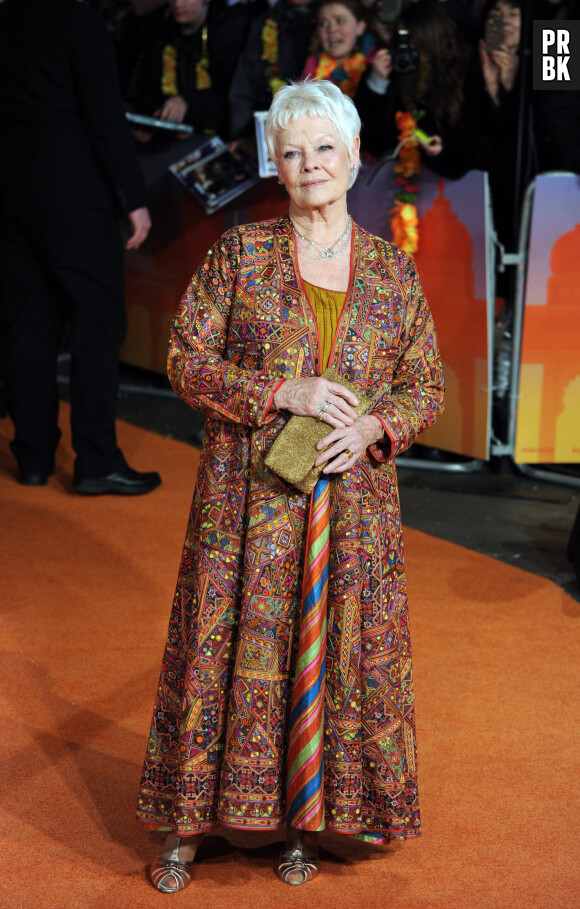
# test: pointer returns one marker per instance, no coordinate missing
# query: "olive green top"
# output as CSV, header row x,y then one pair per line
x,y
327,306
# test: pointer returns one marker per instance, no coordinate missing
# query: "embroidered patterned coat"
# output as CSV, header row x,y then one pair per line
x,y
217,747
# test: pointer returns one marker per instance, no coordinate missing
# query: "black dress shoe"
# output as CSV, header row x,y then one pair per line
x,y
32,478
124,482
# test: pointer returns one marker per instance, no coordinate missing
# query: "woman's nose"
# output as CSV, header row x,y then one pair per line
x,y
309,161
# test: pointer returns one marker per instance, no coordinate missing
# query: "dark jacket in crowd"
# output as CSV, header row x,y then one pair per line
x,y
65,141
250,90
131,36
466,143
207,108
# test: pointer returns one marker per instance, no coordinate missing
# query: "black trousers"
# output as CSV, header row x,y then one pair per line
x,y
62,268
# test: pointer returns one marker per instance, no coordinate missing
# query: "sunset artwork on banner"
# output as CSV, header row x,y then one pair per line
x,y
548,398
452,256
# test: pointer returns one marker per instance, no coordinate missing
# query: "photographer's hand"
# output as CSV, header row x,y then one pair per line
x,y
507,63
382,64
490,71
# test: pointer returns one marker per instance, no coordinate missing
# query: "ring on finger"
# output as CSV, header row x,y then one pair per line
x,y
348,453
323,409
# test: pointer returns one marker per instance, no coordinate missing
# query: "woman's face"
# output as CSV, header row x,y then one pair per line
x,y
186,12
512,20
338,31
313,162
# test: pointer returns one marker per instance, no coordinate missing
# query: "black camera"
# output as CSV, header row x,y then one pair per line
x,y
404,58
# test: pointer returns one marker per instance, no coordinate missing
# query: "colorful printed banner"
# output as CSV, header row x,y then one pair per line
x,y
548,397
454,262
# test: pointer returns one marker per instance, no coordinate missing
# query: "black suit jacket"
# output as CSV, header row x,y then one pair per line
x,y
65,143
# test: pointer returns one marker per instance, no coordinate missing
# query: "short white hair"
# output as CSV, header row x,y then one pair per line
x,y
310,98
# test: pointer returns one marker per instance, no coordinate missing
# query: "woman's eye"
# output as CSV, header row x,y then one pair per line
x,y
325,148
289,154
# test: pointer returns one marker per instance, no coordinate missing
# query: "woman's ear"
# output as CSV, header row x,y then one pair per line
x,y
355,151
361,27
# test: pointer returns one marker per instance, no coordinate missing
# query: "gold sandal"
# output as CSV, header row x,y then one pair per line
x,y
296,868
171,874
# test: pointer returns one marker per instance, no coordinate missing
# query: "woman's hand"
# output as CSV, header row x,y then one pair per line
x,y
344,446
507,63
490,71
435,146
309,396
174,109
382,64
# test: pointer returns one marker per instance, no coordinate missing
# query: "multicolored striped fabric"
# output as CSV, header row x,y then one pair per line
x,y
305,796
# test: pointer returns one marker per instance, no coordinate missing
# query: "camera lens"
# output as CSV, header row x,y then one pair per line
x,y
404,60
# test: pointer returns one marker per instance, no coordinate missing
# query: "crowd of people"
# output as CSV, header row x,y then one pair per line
x,y
454,64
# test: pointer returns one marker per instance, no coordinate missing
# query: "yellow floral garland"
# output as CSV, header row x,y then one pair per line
x,y
169,84
404,220
169,71
270,55
203,78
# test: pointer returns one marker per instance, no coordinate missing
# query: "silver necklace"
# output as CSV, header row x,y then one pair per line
x,y
336,251
327,252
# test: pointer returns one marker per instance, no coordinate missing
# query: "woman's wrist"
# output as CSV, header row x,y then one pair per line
x,y
373,429
279,400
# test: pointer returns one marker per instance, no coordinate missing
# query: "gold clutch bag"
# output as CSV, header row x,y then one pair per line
x,y
294,452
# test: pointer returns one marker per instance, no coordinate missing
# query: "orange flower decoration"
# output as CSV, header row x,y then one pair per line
x,y
347,74
404,220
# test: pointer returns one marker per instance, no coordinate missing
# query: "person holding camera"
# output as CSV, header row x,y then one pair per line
x,y
423,71
499,79
498,51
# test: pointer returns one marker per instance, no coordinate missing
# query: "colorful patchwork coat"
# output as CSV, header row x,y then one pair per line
x,y
217,746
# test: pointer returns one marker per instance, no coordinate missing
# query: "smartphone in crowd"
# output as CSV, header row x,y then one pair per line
x,y
494,35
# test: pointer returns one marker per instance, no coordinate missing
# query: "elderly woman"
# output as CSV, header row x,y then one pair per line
x,y
286,696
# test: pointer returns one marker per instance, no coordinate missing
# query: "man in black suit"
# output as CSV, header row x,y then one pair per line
x,y
68,169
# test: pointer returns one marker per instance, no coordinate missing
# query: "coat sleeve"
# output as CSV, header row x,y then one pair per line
x,y
415,399
198,366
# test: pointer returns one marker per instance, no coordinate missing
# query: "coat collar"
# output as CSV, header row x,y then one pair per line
x,y
287,256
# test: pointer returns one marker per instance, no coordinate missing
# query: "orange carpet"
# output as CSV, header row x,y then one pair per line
x,y
86,592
